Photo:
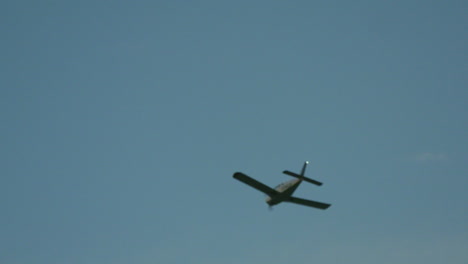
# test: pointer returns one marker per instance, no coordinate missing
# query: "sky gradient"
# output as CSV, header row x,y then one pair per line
x,y
123,122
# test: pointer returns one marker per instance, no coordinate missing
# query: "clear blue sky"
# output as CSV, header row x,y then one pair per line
x,y
122,123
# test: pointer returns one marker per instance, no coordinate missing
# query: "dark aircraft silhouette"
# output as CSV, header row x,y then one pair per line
x,y
284,191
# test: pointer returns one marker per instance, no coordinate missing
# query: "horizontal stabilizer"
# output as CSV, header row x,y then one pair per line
x,y
310,203
254,183
302,177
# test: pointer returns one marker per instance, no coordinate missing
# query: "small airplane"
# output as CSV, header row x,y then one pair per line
x,y
283,192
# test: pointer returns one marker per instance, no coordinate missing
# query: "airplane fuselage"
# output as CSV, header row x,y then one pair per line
x,y
285,191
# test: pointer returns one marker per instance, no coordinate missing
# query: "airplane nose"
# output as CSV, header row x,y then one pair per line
x,y
270,201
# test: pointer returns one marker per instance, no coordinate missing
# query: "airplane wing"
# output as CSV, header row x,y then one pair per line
x,y
254,183
308,203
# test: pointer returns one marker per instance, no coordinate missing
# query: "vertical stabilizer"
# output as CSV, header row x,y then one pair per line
x,y
304,168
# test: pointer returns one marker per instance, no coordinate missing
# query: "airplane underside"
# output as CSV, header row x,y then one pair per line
x,y
284,191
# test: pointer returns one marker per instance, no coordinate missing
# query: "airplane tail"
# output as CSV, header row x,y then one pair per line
x,y
304,168
301,176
